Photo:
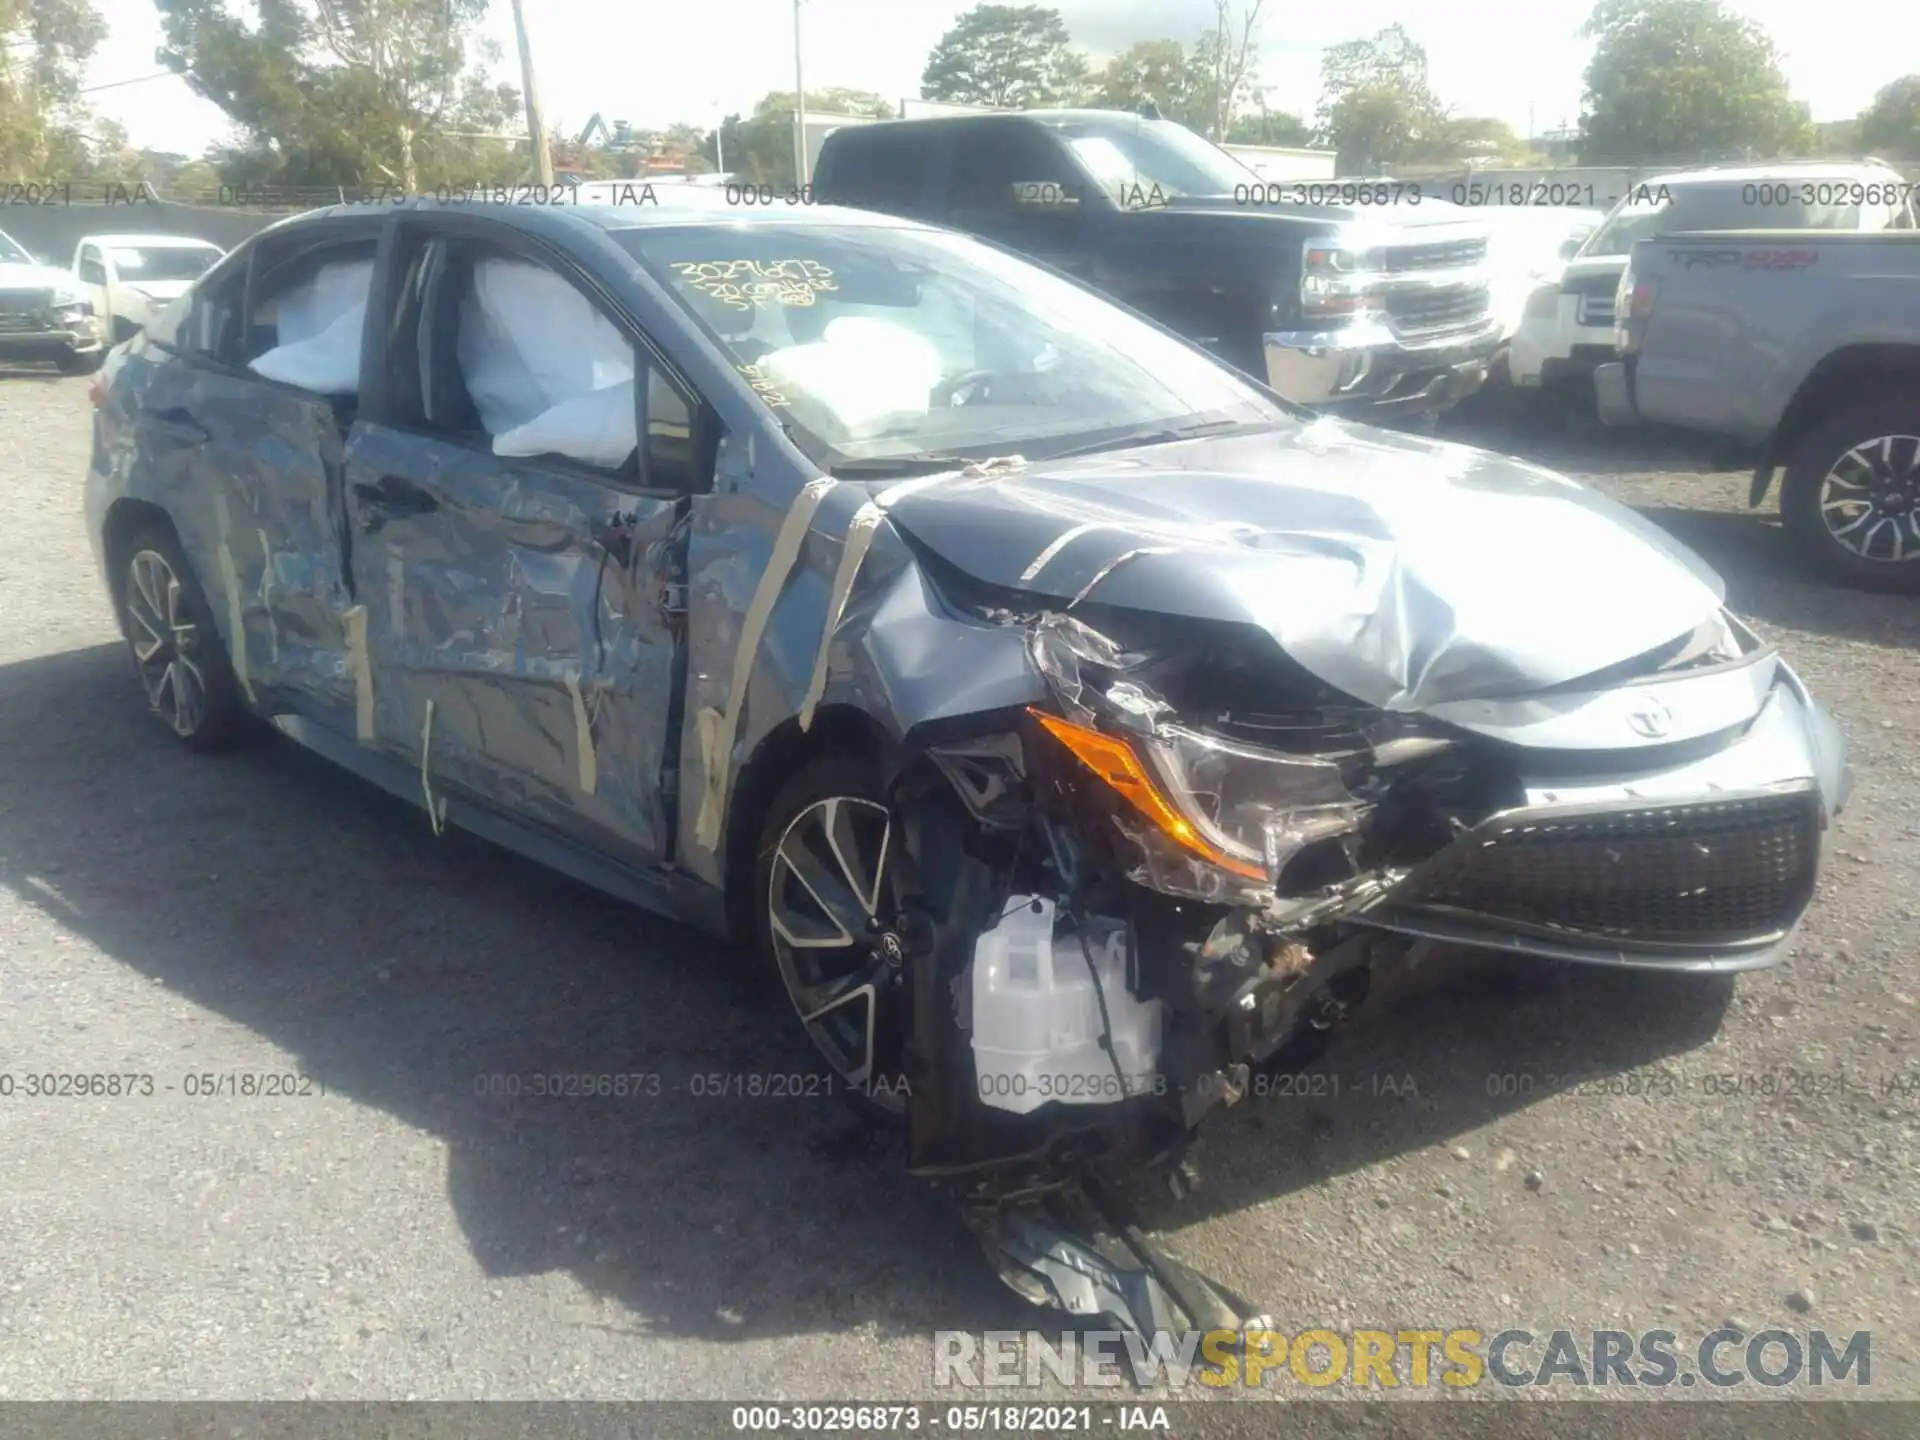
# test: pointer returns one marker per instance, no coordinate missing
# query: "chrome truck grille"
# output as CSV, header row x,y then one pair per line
x,y
1435,287
1435,255
1454,307
1718,871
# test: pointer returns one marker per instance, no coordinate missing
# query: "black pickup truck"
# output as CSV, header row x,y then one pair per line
x,y
1376,307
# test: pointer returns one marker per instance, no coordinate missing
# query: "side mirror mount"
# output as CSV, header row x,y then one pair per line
x,y
1570,246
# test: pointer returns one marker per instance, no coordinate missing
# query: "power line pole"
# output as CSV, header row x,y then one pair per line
x,y
536,131
799,105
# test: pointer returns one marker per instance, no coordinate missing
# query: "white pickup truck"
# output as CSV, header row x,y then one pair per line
x,y
1566,329
131,278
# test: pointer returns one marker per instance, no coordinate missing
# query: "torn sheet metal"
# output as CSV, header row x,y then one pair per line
x,y
1403,572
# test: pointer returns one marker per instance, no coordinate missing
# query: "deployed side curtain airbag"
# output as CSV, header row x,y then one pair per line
x,y
548,373
597,427
318,324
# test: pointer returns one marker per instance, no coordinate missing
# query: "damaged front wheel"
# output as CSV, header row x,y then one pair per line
x,y
834,924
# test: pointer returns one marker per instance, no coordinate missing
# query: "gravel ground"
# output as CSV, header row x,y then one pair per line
x,y
400,1236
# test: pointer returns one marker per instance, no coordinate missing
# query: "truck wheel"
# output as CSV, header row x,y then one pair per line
x,y
81,364
177,654
1851,501
830,929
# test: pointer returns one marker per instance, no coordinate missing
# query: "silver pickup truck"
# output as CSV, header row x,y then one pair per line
x,y
1806,346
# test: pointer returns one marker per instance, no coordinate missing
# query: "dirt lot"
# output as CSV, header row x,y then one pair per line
x,y
401,1235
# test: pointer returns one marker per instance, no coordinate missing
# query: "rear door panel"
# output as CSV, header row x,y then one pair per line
x,y
252,471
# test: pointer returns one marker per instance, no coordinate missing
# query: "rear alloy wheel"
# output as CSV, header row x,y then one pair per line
x,y
177,653
832,924
1851,502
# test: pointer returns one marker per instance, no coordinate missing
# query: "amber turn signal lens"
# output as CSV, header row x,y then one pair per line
x,y
1117,764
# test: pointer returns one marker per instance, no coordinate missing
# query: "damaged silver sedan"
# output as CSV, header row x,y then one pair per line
x,y
1066,722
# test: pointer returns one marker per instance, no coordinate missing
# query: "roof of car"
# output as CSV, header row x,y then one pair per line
x,y
1748,174
150,242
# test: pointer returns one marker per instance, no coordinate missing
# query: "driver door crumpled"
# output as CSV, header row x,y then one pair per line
x,y
548,373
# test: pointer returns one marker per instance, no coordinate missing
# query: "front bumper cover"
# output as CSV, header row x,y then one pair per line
x,y
1367,367
85,335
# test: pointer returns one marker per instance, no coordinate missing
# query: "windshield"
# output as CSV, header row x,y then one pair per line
x,y
880,344
1719,207
11,253
1126,159
163,262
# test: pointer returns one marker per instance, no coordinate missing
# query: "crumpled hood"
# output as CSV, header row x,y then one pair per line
x,y
1405,572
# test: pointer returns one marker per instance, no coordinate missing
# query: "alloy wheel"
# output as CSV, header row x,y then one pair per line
x,y
166,643
840,939
1870,499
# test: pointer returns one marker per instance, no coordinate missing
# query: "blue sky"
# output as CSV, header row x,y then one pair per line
x,y
1518,60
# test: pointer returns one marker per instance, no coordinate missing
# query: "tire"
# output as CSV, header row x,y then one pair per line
x,y
71,364
841,790
1820,471
178,657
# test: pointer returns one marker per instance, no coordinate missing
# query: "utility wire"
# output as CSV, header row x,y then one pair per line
x,y
137,80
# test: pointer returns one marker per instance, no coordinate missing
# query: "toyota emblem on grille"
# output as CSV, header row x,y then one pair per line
x,y
1650,717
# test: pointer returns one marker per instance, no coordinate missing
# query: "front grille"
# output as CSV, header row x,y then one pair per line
x,y
1717,871
1454,307
24,302
23,324
1435,255
1596,310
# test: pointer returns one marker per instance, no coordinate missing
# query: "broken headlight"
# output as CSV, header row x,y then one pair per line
x,y
1245,811
1222,815
1253,806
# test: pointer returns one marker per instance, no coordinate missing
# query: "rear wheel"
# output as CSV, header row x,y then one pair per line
x,y
1851,500
832,883
177,654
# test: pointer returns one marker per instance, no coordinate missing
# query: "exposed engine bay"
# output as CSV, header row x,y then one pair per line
x,y
1196,860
